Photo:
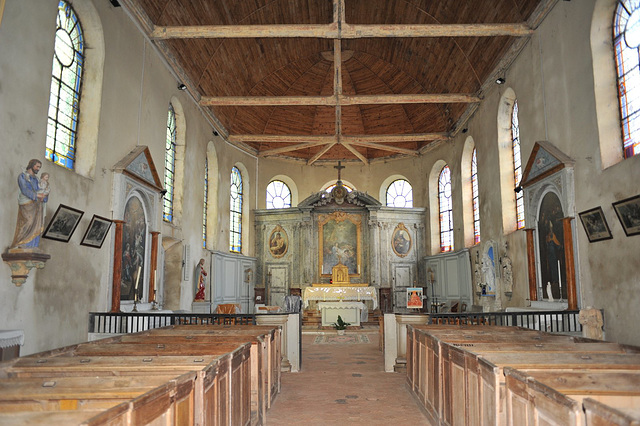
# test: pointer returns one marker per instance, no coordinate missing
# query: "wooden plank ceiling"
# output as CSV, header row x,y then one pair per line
x,y
408,73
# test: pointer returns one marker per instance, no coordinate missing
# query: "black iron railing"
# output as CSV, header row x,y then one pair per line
x,y
133,322
549,321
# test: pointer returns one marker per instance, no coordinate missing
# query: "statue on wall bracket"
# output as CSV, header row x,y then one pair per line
x,y
24,253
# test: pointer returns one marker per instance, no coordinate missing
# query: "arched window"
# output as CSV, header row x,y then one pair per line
x,y
169,166
626,41
474,198
400,194
278,195
517,166
446,210
66,82
235,237
205,203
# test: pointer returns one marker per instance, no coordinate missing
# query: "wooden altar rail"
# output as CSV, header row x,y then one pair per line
x,y
458,374
549,321
133,322
182,375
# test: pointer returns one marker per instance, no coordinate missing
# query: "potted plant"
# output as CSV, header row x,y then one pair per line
x,y
340,325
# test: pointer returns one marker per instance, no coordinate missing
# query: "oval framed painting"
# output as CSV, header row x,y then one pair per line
x,y
401,240
278,242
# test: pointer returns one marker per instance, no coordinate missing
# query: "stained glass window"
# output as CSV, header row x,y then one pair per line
x,y
278,195
517,166
206,200
446,210
235,238
169,166
400,194
66,82
626,41
475,199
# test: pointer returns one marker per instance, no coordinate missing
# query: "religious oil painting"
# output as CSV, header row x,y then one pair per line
x,y
595,225
96,232
278,242
551,248
414,297
134,240
401,240
339,242
628,212
63,223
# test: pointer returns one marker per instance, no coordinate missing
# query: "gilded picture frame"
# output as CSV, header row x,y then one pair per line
x,y
401,241
278,242
339,240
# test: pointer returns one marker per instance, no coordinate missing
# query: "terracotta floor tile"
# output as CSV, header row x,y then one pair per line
x,y
344,384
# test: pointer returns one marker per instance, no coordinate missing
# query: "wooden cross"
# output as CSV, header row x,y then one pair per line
x,y
339,167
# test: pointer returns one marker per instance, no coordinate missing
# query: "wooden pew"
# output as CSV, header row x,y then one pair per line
x,y
557,398
599,414
458,386
162,399
208,371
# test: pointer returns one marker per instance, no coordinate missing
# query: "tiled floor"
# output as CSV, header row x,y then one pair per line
x,y
344,384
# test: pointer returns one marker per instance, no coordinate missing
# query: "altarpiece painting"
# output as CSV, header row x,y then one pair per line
x,y
339,242
133,249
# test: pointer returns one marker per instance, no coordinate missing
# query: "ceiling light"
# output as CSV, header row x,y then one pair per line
x,y
500,80
182,86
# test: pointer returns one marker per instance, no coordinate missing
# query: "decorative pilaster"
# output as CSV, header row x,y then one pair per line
x,y
572,299
531,265
117,266
154,265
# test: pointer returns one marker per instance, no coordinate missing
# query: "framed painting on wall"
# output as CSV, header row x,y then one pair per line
x,y
278,242
401,240
339,241
63,223
595,225
628,212
96,232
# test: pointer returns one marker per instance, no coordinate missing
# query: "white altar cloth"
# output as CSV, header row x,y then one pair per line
x,y
10,338
351,312
340,293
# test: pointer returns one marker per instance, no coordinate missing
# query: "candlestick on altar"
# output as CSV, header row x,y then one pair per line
x,y
560,280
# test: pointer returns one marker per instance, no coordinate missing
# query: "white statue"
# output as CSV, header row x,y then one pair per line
x,y
549,293
489,273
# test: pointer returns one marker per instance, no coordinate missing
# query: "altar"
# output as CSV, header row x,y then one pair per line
x,y
351,312
337,294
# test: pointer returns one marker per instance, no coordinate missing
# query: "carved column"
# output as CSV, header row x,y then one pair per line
x,y
531,265
572,299
154,265
117,266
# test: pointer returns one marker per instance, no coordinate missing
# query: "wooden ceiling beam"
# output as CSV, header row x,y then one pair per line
x,y
434,98
387,148
321,153
344,31
289,148
352,139
355,152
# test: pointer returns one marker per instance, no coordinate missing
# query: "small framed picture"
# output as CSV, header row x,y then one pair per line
x,y
63,223
414,297
628,212
595,225
96,232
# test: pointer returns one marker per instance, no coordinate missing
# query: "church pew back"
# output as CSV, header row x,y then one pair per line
x,y
542,396
599,414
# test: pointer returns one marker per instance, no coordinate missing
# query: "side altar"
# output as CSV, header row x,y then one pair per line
x,y
341,298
